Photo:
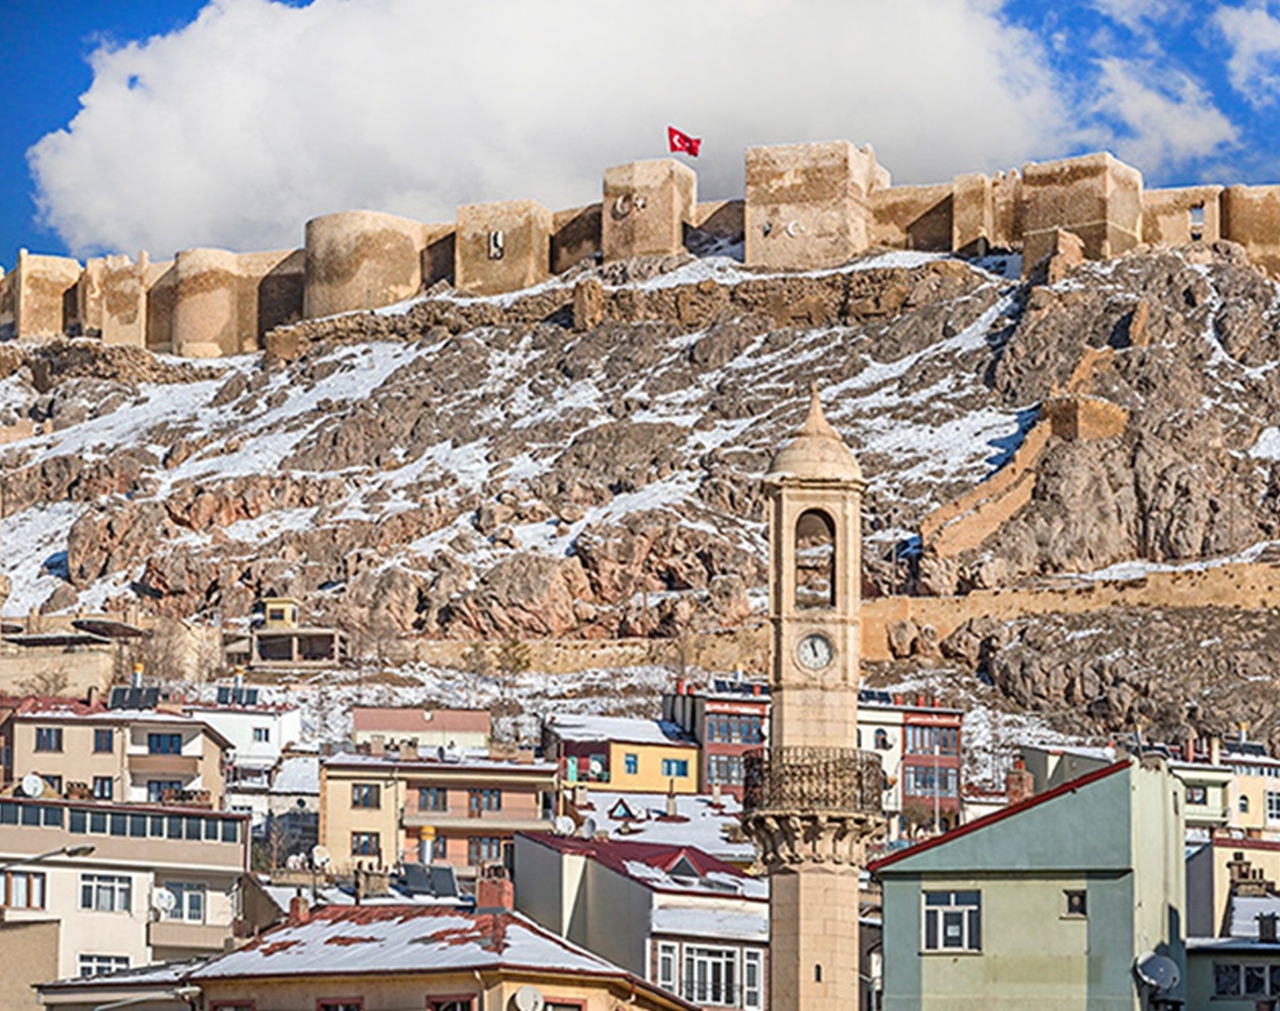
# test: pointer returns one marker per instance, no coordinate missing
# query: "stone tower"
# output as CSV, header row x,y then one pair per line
x,y
811,797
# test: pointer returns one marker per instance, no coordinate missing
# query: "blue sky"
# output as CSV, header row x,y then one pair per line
x,y
167,124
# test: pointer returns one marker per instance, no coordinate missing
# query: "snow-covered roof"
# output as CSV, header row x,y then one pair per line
x,y
297,774
428,759
158,974
699,822
1245,910
712,923
587,729
330,895
408,940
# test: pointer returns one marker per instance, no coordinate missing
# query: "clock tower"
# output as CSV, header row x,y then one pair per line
x,y
811,797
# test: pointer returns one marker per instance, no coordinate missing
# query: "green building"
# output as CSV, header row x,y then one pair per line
x,y
1048,904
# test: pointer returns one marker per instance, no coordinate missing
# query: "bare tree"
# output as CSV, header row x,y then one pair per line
x,y
512,661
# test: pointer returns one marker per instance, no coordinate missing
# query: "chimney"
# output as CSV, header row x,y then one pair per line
x,y
1244,730
1191,746
715,795
897,700
1215,750
672,810
1267,928
137,675
679,686
579,794
1019,784
299,910
494,889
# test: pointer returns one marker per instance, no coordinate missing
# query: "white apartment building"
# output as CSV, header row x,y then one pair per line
x,y
141,884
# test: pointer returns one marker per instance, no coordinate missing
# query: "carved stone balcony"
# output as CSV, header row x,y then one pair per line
x,y
812,805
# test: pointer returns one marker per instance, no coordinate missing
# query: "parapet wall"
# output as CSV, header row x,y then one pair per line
x,y
806,206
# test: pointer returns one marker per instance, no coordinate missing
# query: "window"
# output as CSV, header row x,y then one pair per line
x,y
347,1004
95,965
1075,902
1197,795
103,787
1231,979
483,848
667,966
22,890
1273,806
752,979
55,783
1195,222
675,767
882,739
164,744
952,921
815,560
435,848
433,798
926,781
450,1004
631,762
725,769
489,799
189,904
105,893
932,740
1244,805
157,788
261,735
48,738
710,975
365,844
366,795
102,739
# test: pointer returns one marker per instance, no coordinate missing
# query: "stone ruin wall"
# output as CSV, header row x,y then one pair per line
x,y
806,207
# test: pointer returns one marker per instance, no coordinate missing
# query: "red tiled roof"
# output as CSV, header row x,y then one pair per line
x,y
370,719
995,816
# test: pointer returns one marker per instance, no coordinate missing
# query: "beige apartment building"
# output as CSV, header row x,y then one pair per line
x,y
451,729
141,884
86,750
381,810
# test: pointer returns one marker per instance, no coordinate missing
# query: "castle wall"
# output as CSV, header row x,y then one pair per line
x,y
724,219
972,214
206,308
161,282
438,254
361,260
575,236
271,292
646,206
1168,216
1096,196
808,204
1251,217
502,246
1006,210
912,217
8,305
112,300
44,294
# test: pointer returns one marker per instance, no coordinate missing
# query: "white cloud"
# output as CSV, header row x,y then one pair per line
x,y
1164,118
1254,64
1133,13
235,129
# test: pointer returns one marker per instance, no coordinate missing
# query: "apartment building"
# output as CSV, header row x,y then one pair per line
x,y
415,807
695,926
90,887
451,729
727,721
628,754
135,755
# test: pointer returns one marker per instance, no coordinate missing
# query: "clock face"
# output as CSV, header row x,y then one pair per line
x,y
815,651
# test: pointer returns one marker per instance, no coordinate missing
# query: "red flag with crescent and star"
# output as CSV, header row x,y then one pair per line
x,y
679,141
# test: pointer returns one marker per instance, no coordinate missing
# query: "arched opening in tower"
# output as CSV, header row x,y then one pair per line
x,y
815,560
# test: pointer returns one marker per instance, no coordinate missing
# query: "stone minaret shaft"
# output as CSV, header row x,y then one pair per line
x,y
812,798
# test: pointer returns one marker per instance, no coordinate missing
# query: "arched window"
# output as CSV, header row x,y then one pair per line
x,y
1244,805
882,739
815,560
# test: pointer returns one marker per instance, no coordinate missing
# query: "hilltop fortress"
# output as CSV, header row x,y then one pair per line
x,y
806,206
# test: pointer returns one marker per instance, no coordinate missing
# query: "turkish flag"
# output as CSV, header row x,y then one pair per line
x,y
678,141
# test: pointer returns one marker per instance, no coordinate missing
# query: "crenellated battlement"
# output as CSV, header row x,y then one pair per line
x,y
806,207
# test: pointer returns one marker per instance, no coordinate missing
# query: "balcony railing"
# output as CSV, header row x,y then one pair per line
x,y
813,779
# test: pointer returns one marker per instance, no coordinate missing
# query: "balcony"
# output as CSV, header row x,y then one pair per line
x,y
813,780
176,766
204,937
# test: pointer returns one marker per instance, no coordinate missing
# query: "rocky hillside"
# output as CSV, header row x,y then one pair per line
x,y
458,467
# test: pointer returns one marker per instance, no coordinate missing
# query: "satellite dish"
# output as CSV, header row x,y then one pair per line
x,y
596,766
589,827
563,825
528,998
32,785
164,900
1159,972
320,856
